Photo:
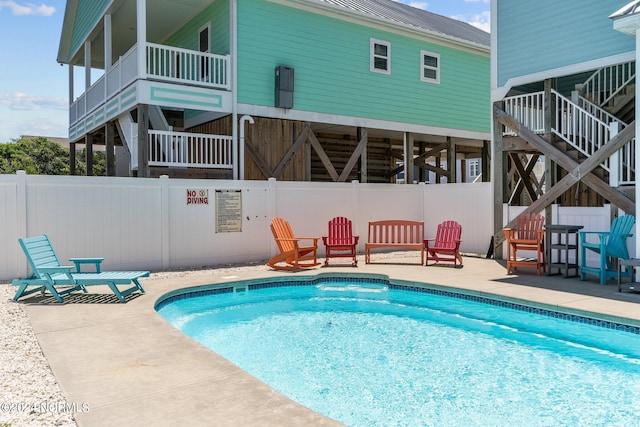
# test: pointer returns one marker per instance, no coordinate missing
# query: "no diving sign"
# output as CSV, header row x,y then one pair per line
x,y
197,197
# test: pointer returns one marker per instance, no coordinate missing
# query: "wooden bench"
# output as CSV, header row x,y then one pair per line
x,y
395,234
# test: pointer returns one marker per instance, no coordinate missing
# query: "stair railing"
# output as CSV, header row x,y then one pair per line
x,y
607,82
576,126
595,110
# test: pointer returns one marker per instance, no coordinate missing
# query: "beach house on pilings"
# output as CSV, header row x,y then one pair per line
x,y
300,90
563,92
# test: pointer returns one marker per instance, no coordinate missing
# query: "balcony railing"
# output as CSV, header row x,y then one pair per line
x,y
182,149
181,65
163,63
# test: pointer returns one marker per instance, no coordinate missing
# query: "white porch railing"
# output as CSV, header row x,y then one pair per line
x,y
182,149
528,109
163,63
181,65
607,82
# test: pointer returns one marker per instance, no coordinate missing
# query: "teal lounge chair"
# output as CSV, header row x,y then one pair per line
x,y
49,275
608,245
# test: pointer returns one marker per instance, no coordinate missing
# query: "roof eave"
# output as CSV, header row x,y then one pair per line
x,y
627,24
67,31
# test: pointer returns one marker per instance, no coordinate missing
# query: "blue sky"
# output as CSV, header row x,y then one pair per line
x,y
34,88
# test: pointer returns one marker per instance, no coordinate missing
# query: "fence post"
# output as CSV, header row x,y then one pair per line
x,y
164,221
21,218
354,208
422,186
272,209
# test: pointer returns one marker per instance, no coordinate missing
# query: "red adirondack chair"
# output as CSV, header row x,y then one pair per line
x,y
340,241
446,245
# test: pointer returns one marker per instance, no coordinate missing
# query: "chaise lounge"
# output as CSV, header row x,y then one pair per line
x,y
49,275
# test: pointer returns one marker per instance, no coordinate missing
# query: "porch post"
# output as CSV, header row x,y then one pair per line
x,y
87,65
408,158
363,157
143,140
72,158
88,153
485,161
497,176
108,54
71,95
109,138
451,161
72,146
141,34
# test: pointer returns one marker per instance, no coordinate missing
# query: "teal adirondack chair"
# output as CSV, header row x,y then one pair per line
x,y
608,245
49,275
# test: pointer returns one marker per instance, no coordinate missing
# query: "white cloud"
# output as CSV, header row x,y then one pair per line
x,y
27,9
417,4
18,101
480,20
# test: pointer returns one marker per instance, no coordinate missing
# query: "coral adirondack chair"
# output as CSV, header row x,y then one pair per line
x,y
340,241
292,255
527,236
609,245
446,245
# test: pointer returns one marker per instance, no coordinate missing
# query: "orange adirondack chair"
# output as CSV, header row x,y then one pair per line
x,y
527,236
446,245
340,241
292,256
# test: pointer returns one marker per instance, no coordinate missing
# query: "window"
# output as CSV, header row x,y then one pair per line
x,y
474,168
429,67
380,57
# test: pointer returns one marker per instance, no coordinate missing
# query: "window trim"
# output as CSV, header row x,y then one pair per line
x,y
204,64
424,53
207,27
372,56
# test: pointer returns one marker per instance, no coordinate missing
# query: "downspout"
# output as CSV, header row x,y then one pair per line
x,y
243,119
234,92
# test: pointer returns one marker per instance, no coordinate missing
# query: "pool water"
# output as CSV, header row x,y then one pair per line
x,y
366,355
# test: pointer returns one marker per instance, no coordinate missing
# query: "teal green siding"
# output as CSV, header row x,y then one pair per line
x,y
540,35
331,62
218,14
88,13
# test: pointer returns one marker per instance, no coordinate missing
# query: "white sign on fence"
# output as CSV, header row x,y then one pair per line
x,y
228,211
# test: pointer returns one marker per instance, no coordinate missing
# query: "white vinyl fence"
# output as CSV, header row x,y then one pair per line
x,y
154,224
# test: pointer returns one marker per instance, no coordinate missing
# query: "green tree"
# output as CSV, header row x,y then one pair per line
x,y
41,156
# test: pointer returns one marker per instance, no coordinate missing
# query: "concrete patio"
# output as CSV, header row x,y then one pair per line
x,y
132,368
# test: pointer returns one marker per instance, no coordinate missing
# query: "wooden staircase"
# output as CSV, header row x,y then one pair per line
x,y
577,135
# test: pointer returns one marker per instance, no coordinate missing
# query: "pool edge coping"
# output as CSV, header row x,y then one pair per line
x,y
545,309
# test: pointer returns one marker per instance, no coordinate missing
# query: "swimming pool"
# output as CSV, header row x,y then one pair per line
x,y
370,351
